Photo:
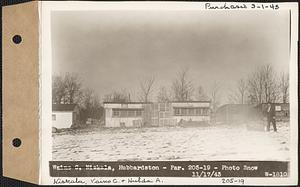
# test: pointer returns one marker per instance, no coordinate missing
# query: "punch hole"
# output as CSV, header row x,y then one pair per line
x,y
16,142
17,39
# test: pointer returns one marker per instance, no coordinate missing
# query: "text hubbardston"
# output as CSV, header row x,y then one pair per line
x,y
138,167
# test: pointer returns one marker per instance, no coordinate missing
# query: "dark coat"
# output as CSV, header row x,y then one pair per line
x,y
271,112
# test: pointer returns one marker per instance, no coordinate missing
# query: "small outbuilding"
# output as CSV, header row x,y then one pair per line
x,y
64,115
282,110
236,113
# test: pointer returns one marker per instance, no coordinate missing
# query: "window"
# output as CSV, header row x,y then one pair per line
x,y
164,107
53,117
177,111
191,111
124,113
161,107
277,108
198,111
116,113
131,113
184,111
138,113
205,111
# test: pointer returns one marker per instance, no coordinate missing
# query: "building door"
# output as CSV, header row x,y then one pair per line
x,y
147,115
73,118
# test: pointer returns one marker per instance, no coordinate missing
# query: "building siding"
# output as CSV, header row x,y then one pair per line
x,y
192,118
190,104
62,119
154,114
124,122
111,121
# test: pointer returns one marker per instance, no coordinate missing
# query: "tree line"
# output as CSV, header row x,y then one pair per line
x,y
261,86
181,89
67,89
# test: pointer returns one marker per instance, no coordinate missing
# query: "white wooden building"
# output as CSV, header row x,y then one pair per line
x,y
137,114
64,115
191,111
129,114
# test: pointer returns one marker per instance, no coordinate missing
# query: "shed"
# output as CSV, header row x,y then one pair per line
x,y
235,113
282,110
64,115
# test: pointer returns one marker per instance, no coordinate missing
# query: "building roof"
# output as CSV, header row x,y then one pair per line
x,y
276,103
156,102
236,107
190,101
113,102
63,107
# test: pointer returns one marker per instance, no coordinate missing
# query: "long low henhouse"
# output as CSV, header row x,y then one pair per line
x,y
138,114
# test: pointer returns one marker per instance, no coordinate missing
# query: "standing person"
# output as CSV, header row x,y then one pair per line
x,y
271,117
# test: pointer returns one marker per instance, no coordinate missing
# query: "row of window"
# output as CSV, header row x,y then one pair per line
x,y
163,107
177,112
191,111
127,112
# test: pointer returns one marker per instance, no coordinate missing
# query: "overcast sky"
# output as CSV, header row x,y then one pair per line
x,y
113,50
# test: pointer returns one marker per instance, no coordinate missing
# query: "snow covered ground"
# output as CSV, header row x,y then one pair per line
x,y
219,142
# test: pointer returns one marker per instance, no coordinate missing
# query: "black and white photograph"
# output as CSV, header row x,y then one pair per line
x,y
175,85
171,85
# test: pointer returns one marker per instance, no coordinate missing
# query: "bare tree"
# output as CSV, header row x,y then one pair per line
x,y
214,94
146,88
271,86
72,87
66,89
163,95
90,106
262,85
86,98
255,86
238,95
284,87
182,87
201,95
58,90
117,96
242,90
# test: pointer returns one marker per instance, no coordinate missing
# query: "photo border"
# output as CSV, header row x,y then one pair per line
x,y
45,9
